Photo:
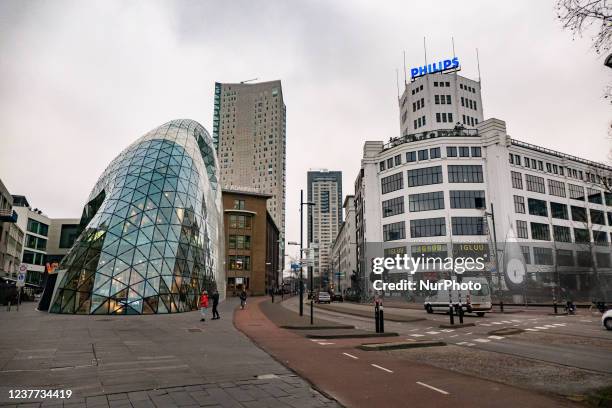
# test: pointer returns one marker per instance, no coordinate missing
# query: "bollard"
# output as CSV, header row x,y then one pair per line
x,y
8,306
460,314
501,306
272,295
376,318
381,319
555,306
450,313
311,311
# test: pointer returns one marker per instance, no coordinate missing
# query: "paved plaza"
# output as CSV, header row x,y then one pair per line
x,y
143,361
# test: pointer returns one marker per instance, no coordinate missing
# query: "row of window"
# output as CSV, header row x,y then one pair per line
x,y
435,227
418,104
442,99
467,88
419,122
557,188
541,232
565,257
444,117
417,89
37,227
470,121
559,211
474,199
468,103
432,175
442,84
239,242
240,221
557,169
432,153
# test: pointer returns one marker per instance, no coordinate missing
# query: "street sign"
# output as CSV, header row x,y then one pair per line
x,y
21,276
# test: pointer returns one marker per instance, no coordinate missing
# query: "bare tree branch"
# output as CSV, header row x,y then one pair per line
x,y
578,16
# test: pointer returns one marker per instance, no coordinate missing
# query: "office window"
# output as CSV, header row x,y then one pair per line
x,y
584,259
426,201
429,227
600,237
394,231
517,159
393,206
535,184
240,221
434,153
540,165
562,234
35,242
537,207
467,199
581,235
464,151
438,117
444,117
450,117
579,214
519,204
423,154
540,231
465,174
608,199
68,235
239,241
521,229
382,165
565,257
411,157
476,151
594,196
576,192
437,99
558,210
238,204
603,259
526,254
510,158
597,217
425,176
398,160
548,167
451,151
542,256
37,227
391,183
240,263
517,179
556,188
527,162
390,163
448,99
468,226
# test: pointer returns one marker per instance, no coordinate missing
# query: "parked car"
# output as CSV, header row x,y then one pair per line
x,y
606,320
337,297
323,297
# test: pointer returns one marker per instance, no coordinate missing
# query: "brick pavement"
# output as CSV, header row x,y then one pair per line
x,y
143,361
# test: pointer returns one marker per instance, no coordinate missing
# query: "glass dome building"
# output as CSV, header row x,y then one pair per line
x,y
152,229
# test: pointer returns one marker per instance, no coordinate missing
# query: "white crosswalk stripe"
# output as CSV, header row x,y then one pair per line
x,y
482,340
432,332
417,335
496,337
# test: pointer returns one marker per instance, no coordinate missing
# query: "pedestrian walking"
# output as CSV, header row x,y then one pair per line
x,y
203,305
215,299
243,298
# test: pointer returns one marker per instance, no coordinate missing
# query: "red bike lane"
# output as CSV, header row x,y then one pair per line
x,y
358,378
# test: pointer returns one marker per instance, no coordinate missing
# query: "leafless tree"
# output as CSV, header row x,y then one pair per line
x,y
579,16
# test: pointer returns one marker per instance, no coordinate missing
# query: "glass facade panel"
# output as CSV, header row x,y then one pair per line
x,y
153,229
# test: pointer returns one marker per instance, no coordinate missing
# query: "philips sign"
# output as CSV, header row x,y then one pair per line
x,y
435,67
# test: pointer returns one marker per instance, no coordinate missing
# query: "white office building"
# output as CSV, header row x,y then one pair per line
x,y
344,249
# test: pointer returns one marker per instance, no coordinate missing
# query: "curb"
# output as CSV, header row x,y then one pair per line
x,y
399,345
390,317
456,326
298,327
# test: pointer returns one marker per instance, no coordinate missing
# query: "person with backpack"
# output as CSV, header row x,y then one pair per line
x,y
243,299
203,305
215,299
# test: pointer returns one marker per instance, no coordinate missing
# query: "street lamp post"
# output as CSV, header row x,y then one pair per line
x,y
499,287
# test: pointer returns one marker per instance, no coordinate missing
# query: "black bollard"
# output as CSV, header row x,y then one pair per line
x,y
381,319
460,314
376,318
501,306
555,306
450,313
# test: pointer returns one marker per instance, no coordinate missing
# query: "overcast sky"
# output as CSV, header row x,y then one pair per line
x,y
80,80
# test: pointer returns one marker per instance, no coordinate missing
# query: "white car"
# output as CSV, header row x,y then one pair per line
x,y
323,297
606,320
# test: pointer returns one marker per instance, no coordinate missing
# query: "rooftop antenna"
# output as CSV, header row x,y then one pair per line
x,y
249,80
397,82
405,79
453,42
425,49
478,64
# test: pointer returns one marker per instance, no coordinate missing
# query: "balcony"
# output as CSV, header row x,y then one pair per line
x,y
8,215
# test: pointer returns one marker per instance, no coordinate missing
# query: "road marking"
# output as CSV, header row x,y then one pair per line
x,y
587,321
447,330
485,324
496,337
381,368
506,321
461,343
413,329
455,335
531,330
432,332
325,343
432,388
468,333
559,324
549,325
541,327
482,340
496,322
417,335
470,344
351,356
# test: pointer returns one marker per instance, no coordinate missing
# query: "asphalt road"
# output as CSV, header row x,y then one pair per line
x,y
578,341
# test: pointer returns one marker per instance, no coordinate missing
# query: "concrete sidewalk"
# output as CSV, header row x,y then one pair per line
x,y
143,361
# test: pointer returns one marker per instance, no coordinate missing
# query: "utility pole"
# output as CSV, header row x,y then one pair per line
x,y
301,253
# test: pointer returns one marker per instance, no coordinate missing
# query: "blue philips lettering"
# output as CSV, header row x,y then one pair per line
x,y
440,66
447,64
414,72
455,62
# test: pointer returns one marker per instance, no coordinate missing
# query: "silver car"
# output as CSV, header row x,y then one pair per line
x,y
606,320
